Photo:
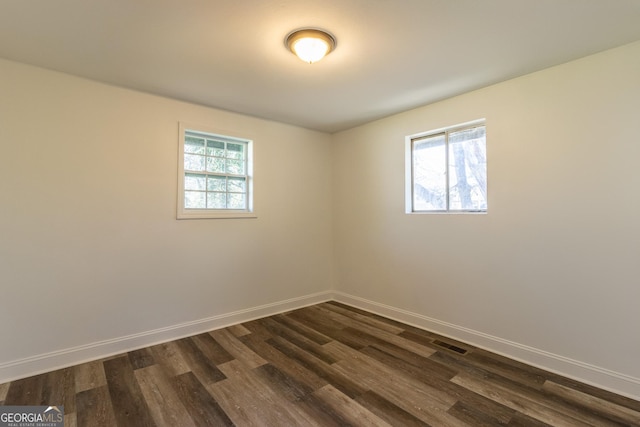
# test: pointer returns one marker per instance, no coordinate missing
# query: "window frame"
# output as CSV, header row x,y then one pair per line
x,y
409,171
211,213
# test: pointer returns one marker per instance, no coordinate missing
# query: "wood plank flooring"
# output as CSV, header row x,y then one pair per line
x,y
325,365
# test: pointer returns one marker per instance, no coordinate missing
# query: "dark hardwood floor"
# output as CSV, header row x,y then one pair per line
x,y
324,365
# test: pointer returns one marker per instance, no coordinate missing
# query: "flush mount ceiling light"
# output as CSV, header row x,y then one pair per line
x,y
310,44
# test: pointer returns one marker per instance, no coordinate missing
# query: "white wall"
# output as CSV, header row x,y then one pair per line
x,y
90,249
555,264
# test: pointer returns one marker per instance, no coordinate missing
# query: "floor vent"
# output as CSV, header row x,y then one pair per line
x,y
450,347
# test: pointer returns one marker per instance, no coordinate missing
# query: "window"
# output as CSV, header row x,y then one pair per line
x,y
447,170
215,175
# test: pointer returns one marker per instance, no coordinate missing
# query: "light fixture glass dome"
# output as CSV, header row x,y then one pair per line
x,y
310,45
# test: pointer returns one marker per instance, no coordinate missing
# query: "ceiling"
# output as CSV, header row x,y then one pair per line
x,y
392,55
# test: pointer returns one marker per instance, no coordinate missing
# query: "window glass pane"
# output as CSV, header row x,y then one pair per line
x,y
215,164
217,183
236,201
195,200
216,201
237,185
468,170
215,148
193,145
235,167
429,174
194,181
215,172
193,162
235,151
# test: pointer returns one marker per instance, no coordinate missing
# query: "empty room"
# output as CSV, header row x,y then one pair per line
x,y
356,212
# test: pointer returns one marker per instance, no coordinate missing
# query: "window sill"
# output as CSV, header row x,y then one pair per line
x,y
202,214
446,213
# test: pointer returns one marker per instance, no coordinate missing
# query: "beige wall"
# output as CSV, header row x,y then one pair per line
x,y
91,252
90,249
555,263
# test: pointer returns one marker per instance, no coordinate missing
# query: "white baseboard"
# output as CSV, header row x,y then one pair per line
x,y
603,378
10,371
606,379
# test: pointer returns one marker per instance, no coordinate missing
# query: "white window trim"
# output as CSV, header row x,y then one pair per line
x,y
408,170
183,213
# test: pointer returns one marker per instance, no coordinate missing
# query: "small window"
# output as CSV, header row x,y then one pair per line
x,y
447,170
215,175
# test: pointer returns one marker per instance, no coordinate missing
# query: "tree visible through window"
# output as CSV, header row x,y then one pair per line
x,y
449,171
215,175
